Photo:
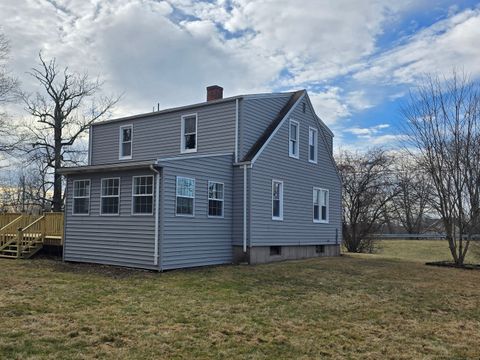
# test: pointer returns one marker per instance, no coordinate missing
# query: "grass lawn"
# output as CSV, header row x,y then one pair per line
x,y
383,306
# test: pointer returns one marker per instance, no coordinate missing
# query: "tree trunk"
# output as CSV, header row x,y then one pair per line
x,y
57,178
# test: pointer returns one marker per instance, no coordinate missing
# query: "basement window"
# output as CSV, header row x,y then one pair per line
x,y
81,197
320,249
275,250
110,196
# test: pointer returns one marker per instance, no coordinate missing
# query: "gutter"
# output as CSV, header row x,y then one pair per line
x,y
157,209
244,208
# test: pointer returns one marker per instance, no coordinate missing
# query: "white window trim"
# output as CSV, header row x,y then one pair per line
x,y
278,218
182,135
222,200
120,143
142,195
320,221
176,196
315,131
110,196
297,156
82,197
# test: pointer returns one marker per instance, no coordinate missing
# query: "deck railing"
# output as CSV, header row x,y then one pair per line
x,y
25,234
7,218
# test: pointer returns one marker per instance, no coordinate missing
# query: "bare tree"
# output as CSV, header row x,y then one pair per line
x,y
63,111
21,191
367,189
411,204
8,87
443,126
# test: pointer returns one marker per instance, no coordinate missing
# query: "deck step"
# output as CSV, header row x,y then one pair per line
x,y
8,251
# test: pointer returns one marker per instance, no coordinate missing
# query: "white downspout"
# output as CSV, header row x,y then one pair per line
x,y
157,212
244,208
236,130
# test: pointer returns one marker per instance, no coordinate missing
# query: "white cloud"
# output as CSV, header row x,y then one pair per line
x,y
157,50
168,51
447,44
329,105
368,132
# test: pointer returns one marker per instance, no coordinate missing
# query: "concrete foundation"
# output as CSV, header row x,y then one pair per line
x,y
263,254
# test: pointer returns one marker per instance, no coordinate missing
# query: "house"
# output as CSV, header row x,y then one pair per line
x,y
248,178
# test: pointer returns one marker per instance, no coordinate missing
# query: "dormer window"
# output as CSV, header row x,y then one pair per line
x,y
126,134
189,133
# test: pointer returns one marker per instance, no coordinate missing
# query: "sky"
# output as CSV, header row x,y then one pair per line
x,y
357,59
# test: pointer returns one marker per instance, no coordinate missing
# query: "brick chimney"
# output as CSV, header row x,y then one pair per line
x,y
214,92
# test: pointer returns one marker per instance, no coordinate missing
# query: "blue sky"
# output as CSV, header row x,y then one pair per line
x,y
357,59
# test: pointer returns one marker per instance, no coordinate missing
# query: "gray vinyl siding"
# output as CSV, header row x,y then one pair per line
x,y
238,205
124,239
198,240
299,177
256,115
328,139
158,136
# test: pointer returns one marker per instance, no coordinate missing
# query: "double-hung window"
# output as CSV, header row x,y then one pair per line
x,y
110,196
293,139
189,133
81,197
320,205
277,200
312,145
185,196
215,199
142,195
126,136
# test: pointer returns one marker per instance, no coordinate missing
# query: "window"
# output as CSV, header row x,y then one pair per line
x,y
320,249
142,195
189,133
185,196
312,145
293,139
110,195
126,142
215,199
320,205
277,200
81,197
275,250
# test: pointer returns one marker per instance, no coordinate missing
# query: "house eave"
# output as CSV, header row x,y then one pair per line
x,y
131,165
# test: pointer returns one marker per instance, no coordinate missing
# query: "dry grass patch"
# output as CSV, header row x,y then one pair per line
x,y
363,307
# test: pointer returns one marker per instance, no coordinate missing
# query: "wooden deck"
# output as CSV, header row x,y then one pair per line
x,y
23,235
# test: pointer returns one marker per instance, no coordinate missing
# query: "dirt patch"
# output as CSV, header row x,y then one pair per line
x,y
116,272
453,265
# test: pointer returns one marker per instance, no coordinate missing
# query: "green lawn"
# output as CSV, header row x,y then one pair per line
x,y
382,306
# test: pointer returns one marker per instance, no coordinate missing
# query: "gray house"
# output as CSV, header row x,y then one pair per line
x,y
248,178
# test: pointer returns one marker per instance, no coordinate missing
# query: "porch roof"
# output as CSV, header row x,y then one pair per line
x,y
131,165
